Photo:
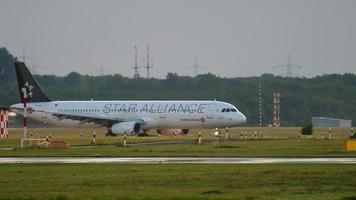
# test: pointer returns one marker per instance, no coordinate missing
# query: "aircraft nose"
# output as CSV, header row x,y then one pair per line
x,y
243,118
240,118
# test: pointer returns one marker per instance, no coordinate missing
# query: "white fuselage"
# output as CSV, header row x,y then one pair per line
x,y
154,114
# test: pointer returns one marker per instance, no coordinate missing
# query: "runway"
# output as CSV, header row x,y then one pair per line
x,y
177,160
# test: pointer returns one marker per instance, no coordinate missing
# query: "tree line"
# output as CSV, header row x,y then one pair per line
x,y
301,98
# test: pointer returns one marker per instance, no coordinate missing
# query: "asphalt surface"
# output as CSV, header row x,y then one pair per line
x,y
143,160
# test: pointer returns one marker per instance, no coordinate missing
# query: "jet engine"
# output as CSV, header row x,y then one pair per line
x,y
128,128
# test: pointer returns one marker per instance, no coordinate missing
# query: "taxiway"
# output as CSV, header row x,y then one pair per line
x,y
206,160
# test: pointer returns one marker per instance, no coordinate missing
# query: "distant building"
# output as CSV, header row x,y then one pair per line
x,y
330,122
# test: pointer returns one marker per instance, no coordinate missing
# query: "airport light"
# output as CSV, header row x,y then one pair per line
x,y
199,137
94,137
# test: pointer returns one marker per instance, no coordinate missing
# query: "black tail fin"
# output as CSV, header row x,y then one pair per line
x,y
28,85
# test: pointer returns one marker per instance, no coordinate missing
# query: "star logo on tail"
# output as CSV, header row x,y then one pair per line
x,y
27,90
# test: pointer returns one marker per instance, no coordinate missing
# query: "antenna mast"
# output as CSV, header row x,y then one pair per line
x,y
196,67
148,66
136,75
260,107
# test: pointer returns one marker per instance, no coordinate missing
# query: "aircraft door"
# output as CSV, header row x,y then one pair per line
x,y
210,111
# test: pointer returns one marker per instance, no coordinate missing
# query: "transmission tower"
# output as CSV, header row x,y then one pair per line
x,y
32,67
148,66
101,68
196,67
24,56
287,68
136,75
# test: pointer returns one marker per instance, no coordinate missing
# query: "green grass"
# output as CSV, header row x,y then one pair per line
x,y
280,142
182,181
72,135
177,181
258,148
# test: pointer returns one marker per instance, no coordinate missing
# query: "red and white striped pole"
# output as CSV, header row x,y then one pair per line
x,y
2,127
6,123
2,123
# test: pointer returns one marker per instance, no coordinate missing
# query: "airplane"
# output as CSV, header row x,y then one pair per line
x,y
122,117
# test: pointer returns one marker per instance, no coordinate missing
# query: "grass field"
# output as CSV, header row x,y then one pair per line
x,y
177,181
276,142
181,181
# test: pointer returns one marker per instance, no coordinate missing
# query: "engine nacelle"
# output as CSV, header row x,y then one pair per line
x,y
128,128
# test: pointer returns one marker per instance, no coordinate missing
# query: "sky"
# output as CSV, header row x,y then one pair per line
x,y
229,38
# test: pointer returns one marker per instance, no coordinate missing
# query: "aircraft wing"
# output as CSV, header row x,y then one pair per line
x,y
102,120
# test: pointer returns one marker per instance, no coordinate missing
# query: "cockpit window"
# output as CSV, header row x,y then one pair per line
x,y
228,110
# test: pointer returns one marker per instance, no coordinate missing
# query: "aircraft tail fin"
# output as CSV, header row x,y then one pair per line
x,y
29,89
